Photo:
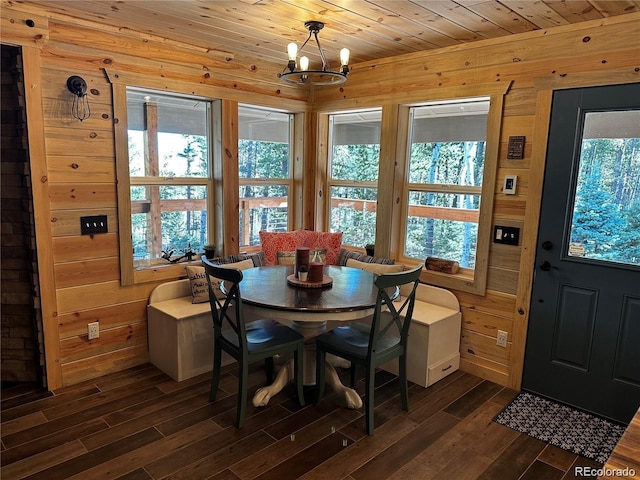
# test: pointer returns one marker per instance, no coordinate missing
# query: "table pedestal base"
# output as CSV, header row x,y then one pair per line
x,y
285,375
309,330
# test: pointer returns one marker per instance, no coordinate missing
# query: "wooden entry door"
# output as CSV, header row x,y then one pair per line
x,y
583,342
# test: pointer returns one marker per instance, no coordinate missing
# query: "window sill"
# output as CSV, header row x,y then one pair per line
x,y
161,272
465,280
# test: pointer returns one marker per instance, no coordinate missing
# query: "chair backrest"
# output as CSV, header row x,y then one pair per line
x,y
227,310
389,313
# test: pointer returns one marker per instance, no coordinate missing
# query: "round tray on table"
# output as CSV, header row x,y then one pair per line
x,y
326,282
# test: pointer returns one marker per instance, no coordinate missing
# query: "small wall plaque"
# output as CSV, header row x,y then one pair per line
x,y
515,150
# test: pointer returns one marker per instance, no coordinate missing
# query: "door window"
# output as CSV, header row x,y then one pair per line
x,y
605,222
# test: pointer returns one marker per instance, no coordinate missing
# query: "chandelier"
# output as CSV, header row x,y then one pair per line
x,y
304,76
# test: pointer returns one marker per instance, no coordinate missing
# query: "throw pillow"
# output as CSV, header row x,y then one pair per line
x,y
332,243
286,258
229,259
329,241
345,255
198,280
274,242
258,258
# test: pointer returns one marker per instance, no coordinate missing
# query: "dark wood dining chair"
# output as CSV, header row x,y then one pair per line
x,y
246,342
372,345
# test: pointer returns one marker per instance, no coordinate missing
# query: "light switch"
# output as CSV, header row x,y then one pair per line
x,y
93,224
506,235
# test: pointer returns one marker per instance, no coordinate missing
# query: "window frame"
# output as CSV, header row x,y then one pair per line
x,y
289,182
468,280
129,275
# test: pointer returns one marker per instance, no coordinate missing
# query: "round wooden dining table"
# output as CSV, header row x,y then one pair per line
x,y
266,293
350,296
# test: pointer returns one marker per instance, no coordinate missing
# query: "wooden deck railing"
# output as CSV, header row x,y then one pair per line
x,y
248,204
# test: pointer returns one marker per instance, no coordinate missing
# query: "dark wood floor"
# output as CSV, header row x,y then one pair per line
x,y
140,425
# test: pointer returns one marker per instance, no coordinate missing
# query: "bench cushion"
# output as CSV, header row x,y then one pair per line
x,y
181,308
170,290
377,268
429,313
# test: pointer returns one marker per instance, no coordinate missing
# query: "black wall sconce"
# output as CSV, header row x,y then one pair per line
x,y
78,87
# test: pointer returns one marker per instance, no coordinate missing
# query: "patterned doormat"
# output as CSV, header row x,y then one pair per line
x,y
565,427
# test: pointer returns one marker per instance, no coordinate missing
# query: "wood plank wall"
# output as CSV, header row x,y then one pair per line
x,y
80,164
81,177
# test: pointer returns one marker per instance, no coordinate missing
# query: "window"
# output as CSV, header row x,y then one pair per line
x,y
446,162
354,157
264,156
167,182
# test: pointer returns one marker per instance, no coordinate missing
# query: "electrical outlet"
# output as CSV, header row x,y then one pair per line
x,y
94,330
501,339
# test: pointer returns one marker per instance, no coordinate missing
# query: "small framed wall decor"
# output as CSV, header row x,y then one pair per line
x,y
515,148
509,187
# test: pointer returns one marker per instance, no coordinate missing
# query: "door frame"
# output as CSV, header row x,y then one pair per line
x,y
32,72
545,86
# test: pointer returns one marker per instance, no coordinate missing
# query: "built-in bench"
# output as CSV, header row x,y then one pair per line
x,y
179,322
433,349
180,332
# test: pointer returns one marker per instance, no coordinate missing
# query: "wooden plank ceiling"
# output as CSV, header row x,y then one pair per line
x,y
258,31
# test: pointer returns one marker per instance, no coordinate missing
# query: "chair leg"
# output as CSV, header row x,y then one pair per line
x,y
298,375
215,376
268,366
243,379
369,387
404,384
320,377
353,370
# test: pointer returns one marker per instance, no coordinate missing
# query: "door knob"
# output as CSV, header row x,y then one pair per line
x,y
546,266
547,245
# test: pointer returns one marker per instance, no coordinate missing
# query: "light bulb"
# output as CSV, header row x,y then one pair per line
x,y
292,51
344,56
304,63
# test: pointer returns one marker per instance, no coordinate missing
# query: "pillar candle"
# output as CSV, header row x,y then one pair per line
x,y
316,269
302,258
316,272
